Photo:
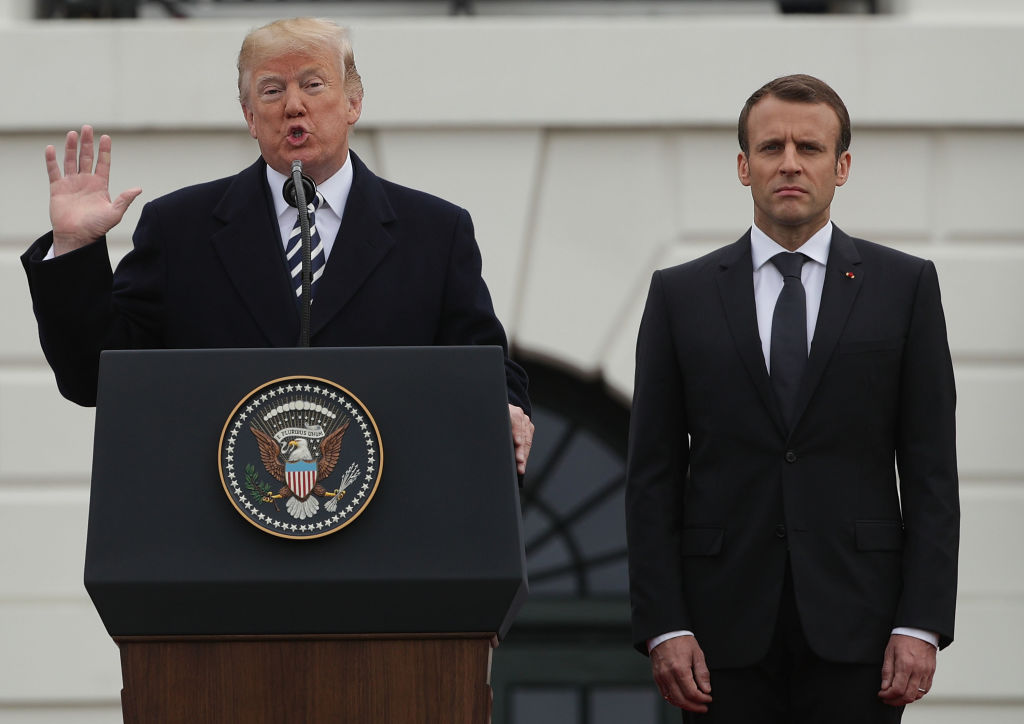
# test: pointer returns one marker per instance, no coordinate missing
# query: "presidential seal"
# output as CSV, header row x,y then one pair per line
x,y
300,457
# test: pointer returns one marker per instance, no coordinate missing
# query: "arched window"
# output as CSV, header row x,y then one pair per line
x,y
572,498
568,658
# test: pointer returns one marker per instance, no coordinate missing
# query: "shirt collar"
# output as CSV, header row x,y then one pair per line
x,y
763,247
335,190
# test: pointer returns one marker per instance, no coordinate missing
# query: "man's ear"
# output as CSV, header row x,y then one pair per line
x,y
743,169
355,109
843,168
250,120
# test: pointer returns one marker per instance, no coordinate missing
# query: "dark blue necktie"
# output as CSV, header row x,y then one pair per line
x,y
788,352
293,251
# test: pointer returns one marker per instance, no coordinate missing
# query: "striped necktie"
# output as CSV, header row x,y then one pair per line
x,y
293,252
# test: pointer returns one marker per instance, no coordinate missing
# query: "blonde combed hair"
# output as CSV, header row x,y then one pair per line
x,y
298,35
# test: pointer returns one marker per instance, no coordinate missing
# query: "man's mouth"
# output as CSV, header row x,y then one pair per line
x,y
297,135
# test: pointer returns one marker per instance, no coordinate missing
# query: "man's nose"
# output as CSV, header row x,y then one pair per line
x,y
293,102
790,160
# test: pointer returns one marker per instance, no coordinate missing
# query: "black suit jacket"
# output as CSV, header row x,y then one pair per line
x,y
208,270
720,492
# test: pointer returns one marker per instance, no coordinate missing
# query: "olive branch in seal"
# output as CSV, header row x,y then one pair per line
x,y
259,490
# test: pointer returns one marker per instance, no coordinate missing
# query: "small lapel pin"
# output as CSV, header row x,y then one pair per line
x,y
850,275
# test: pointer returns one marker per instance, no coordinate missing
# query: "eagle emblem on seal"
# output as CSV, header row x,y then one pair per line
x,y
315,441
300,462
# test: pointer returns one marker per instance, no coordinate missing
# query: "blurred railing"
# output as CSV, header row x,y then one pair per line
x,y
57,9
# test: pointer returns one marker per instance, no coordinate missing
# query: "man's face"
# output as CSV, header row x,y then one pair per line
x,y
791,169
297,109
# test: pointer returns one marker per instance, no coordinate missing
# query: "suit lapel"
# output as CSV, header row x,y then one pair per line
x,y
250,251
362,243
736,289
843,279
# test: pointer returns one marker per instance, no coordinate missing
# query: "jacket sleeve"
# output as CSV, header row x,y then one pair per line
x,y
656,477
926,460
82,309
468,316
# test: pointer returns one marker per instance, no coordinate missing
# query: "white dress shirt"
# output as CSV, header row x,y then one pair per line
x,y
768,281
335,191
767,285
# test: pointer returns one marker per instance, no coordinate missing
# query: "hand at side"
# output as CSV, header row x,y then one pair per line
x,y
681,674
522,436
907,670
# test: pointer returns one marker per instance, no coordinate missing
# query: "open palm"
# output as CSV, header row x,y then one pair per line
x,y
81,210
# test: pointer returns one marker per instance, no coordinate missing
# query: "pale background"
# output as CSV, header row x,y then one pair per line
x,y
590,151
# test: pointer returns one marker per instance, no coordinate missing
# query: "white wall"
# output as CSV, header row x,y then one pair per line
x,y
590,151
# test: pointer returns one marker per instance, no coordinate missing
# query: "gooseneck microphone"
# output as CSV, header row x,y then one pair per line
x,y
298,191
290,190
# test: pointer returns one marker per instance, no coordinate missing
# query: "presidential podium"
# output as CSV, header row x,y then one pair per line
x,y
388,613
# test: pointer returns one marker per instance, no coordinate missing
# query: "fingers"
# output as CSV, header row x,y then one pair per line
x,y
78,160
701,673
912,670
103,163
681,674
122,202
52,169
896,693
71,153
522,436
81,209
697,686
85,156
888,667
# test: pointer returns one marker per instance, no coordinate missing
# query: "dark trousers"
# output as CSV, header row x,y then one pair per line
x,y
792,685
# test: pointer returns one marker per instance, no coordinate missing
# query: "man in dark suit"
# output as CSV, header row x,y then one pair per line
x,y
774,554
214,265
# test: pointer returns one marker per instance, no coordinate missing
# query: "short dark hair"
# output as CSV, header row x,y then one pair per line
x,y
799,88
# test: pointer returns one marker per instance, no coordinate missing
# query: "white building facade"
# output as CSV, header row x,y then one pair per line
x,y
590,151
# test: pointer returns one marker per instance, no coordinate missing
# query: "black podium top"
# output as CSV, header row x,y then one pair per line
x,y
437,549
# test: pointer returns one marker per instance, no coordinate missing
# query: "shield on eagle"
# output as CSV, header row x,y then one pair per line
x,y
300,477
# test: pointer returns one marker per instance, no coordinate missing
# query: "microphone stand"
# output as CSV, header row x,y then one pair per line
x,y
302,205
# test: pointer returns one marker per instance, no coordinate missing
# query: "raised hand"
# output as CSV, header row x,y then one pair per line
x,y
80,207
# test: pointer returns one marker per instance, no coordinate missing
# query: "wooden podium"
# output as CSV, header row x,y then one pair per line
x,y
390,619
356,678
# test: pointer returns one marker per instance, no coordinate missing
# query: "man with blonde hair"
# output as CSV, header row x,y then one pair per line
x,y
214,265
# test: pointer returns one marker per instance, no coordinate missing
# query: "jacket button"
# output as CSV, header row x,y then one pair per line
x,y
780,531
790,456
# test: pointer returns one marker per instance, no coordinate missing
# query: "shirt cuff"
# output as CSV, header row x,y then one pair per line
x,y
651,643
917,633
929,636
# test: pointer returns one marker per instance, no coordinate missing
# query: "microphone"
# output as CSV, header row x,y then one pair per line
x,y
298,191
308,187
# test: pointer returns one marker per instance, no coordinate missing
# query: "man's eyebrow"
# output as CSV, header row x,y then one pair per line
x,y
803,141
312,70
268,78
301,73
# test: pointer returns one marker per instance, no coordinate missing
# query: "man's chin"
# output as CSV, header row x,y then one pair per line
x,y
282,163
794,214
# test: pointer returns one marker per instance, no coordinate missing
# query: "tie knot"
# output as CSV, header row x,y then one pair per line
x,y
315,202
789,264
